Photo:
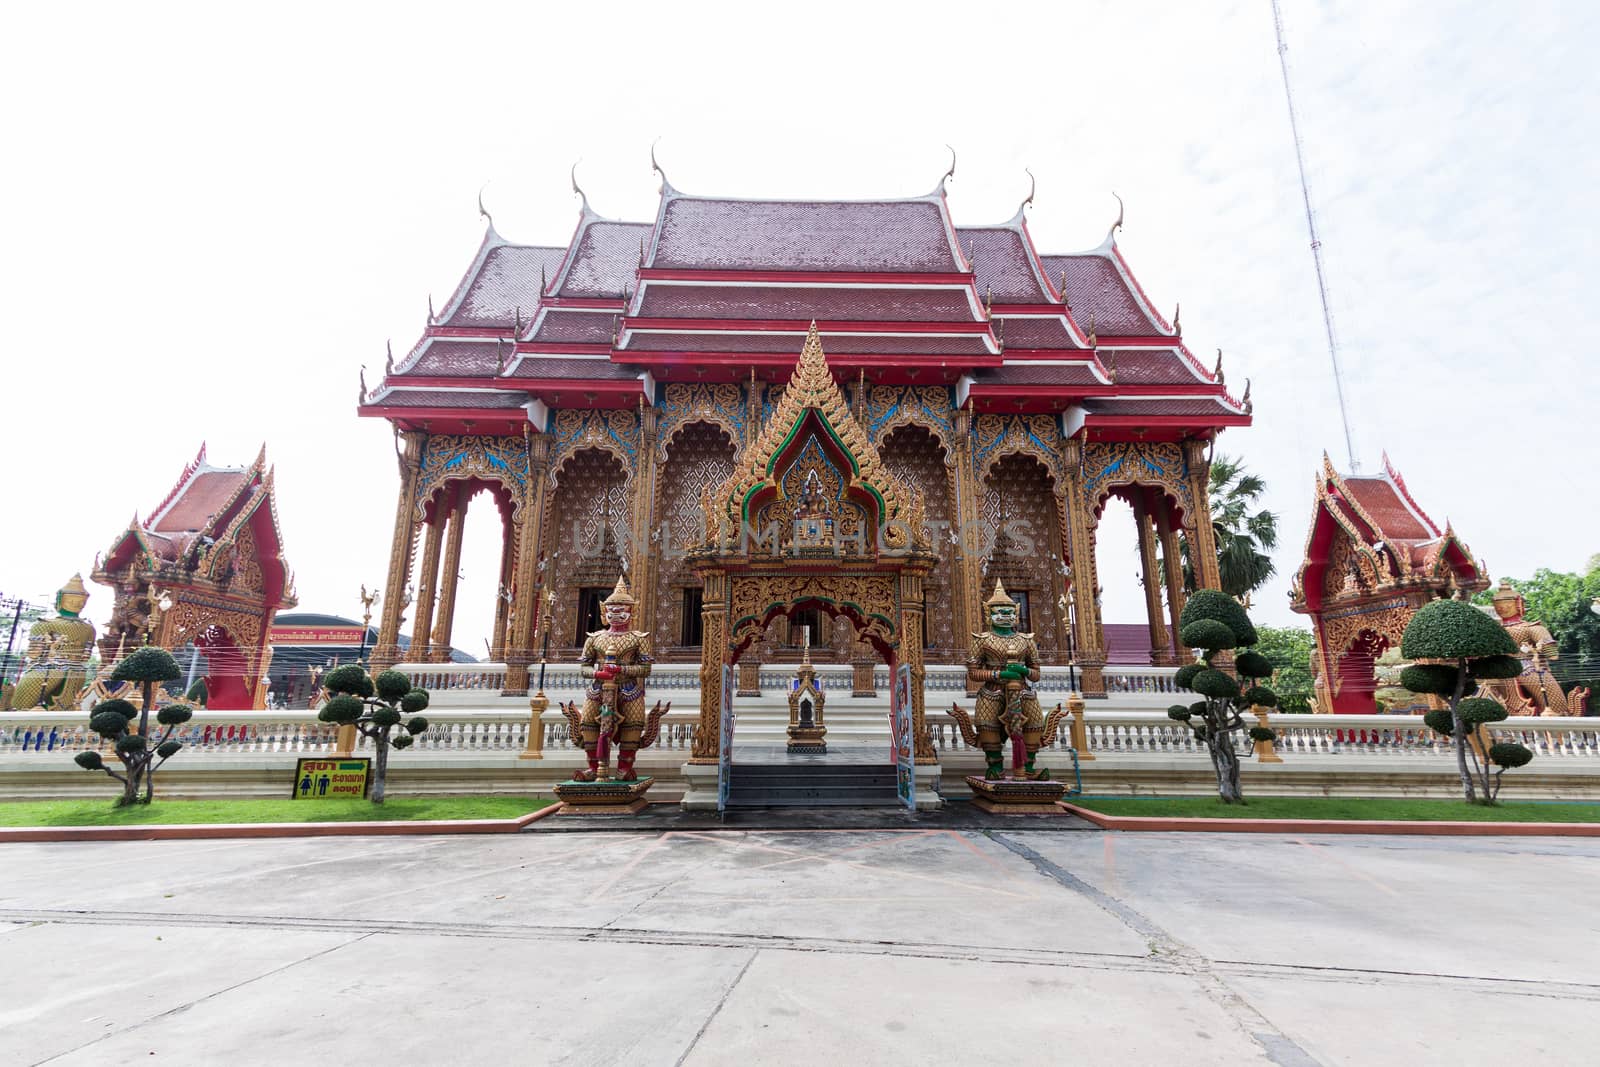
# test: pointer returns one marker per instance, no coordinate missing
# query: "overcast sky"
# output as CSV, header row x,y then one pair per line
x,y
213,215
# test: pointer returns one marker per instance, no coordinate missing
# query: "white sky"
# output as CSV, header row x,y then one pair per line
x,y
212,215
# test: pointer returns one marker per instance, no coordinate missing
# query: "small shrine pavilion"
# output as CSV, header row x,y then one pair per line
x,y
596,389
1373,557
204,571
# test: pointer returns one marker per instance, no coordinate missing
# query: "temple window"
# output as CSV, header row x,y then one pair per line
x,y
690,624
589,620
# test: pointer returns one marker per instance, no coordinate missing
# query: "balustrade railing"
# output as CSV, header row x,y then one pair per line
x,y
1105,733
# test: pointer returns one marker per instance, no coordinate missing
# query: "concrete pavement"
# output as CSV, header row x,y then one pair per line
x,y
801,947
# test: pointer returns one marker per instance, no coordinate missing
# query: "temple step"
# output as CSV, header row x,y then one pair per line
x,y
823,785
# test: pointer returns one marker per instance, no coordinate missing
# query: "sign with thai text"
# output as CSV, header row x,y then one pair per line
x,y
326,779
316,635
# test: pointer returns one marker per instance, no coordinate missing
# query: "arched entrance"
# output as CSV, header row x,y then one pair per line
x,y
811,519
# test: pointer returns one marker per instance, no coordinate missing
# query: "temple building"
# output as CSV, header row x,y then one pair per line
x,y
602,389
204,576
1373,557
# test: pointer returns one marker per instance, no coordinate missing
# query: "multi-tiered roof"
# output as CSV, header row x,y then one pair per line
x,y
715,288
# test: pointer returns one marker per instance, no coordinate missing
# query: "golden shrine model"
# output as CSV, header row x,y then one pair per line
x,y
638,399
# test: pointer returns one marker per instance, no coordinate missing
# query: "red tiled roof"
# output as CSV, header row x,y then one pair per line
x,y
206,493
1157,406
445,398
471,359
1149,366
835,344
507,280
1037,374
893,235
1379,499
534,367
1127,643
576,327
1026,331
606,260
1094,285
792,302
1002,266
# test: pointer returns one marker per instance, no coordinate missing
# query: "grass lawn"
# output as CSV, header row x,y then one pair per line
x,y
394,809
1390,808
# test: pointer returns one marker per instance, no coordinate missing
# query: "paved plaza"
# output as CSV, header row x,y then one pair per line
x,y
802,947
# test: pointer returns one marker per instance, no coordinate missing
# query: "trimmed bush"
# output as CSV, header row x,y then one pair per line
x,y
417,725
1216,685
1184,678
1262,733
174,715
414,701
349,679
1198,708
402,741
147,665
89,761
1441,721
1219,606
121,707
392,685
1179,713
1450,629
343,710
1208,634
1475,711
131,743
1253,665
109,724
1260,694
383,716
198,693
168,749
1495,667
1429,678
1509,754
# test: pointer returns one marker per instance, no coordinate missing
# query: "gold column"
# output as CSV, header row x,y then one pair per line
x,y
449,578
713,652
1078,512
1202,536
1172,564
387,650
911,653
502,601
1160,645
642,577
427,588
520,651
967,596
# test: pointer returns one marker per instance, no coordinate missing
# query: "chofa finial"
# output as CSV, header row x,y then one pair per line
x,y
362,396
575,188
388,358
1177,320
1033,186
951,173
483,212
1217,374
1244,401
432,317
1111,234
666,183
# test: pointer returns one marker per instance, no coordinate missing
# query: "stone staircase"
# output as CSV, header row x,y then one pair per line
x,y
812,785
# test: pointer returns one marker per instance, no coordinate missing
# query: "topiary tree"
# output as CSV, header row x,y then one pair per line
x,y
375,706
199,693
1458,646
112,720
1213,622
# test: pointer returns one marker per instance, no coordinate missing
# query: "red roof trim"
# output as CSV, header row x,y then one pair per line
x,y
800,326
803,277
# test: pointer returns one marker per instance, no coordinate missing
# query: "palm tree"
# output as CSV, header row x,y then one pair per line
x,y
1244,537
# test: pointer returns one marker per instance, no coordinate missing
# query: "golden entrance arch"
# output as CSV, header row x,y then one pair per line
x,y
811,519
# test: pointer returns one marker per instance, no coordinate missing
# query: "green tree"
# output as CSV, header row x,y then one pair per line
x,y
1289,649
111,719
1214,622
1245,536
375,706
1456,647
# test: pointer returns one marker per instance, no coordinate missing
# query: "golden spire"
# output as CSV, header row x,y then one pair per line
x,y
620,594
999,597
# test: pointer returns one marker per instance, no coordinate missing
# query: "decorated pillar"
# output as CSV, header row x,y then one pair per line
x,y
387,651
1078,537
502,600
427,587
449,577
713,654
1160,645
646,530
965,579
1202,535
911,653
1172,564
520,651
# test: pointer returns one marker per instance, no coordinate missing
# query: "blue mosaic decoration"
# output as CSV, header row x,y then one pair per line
x,y
890,407
458,457
615,431
1038,436
721,405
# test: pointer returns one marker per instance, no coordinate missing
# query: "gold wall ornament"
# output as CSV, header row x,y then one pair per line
x,y
449,458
